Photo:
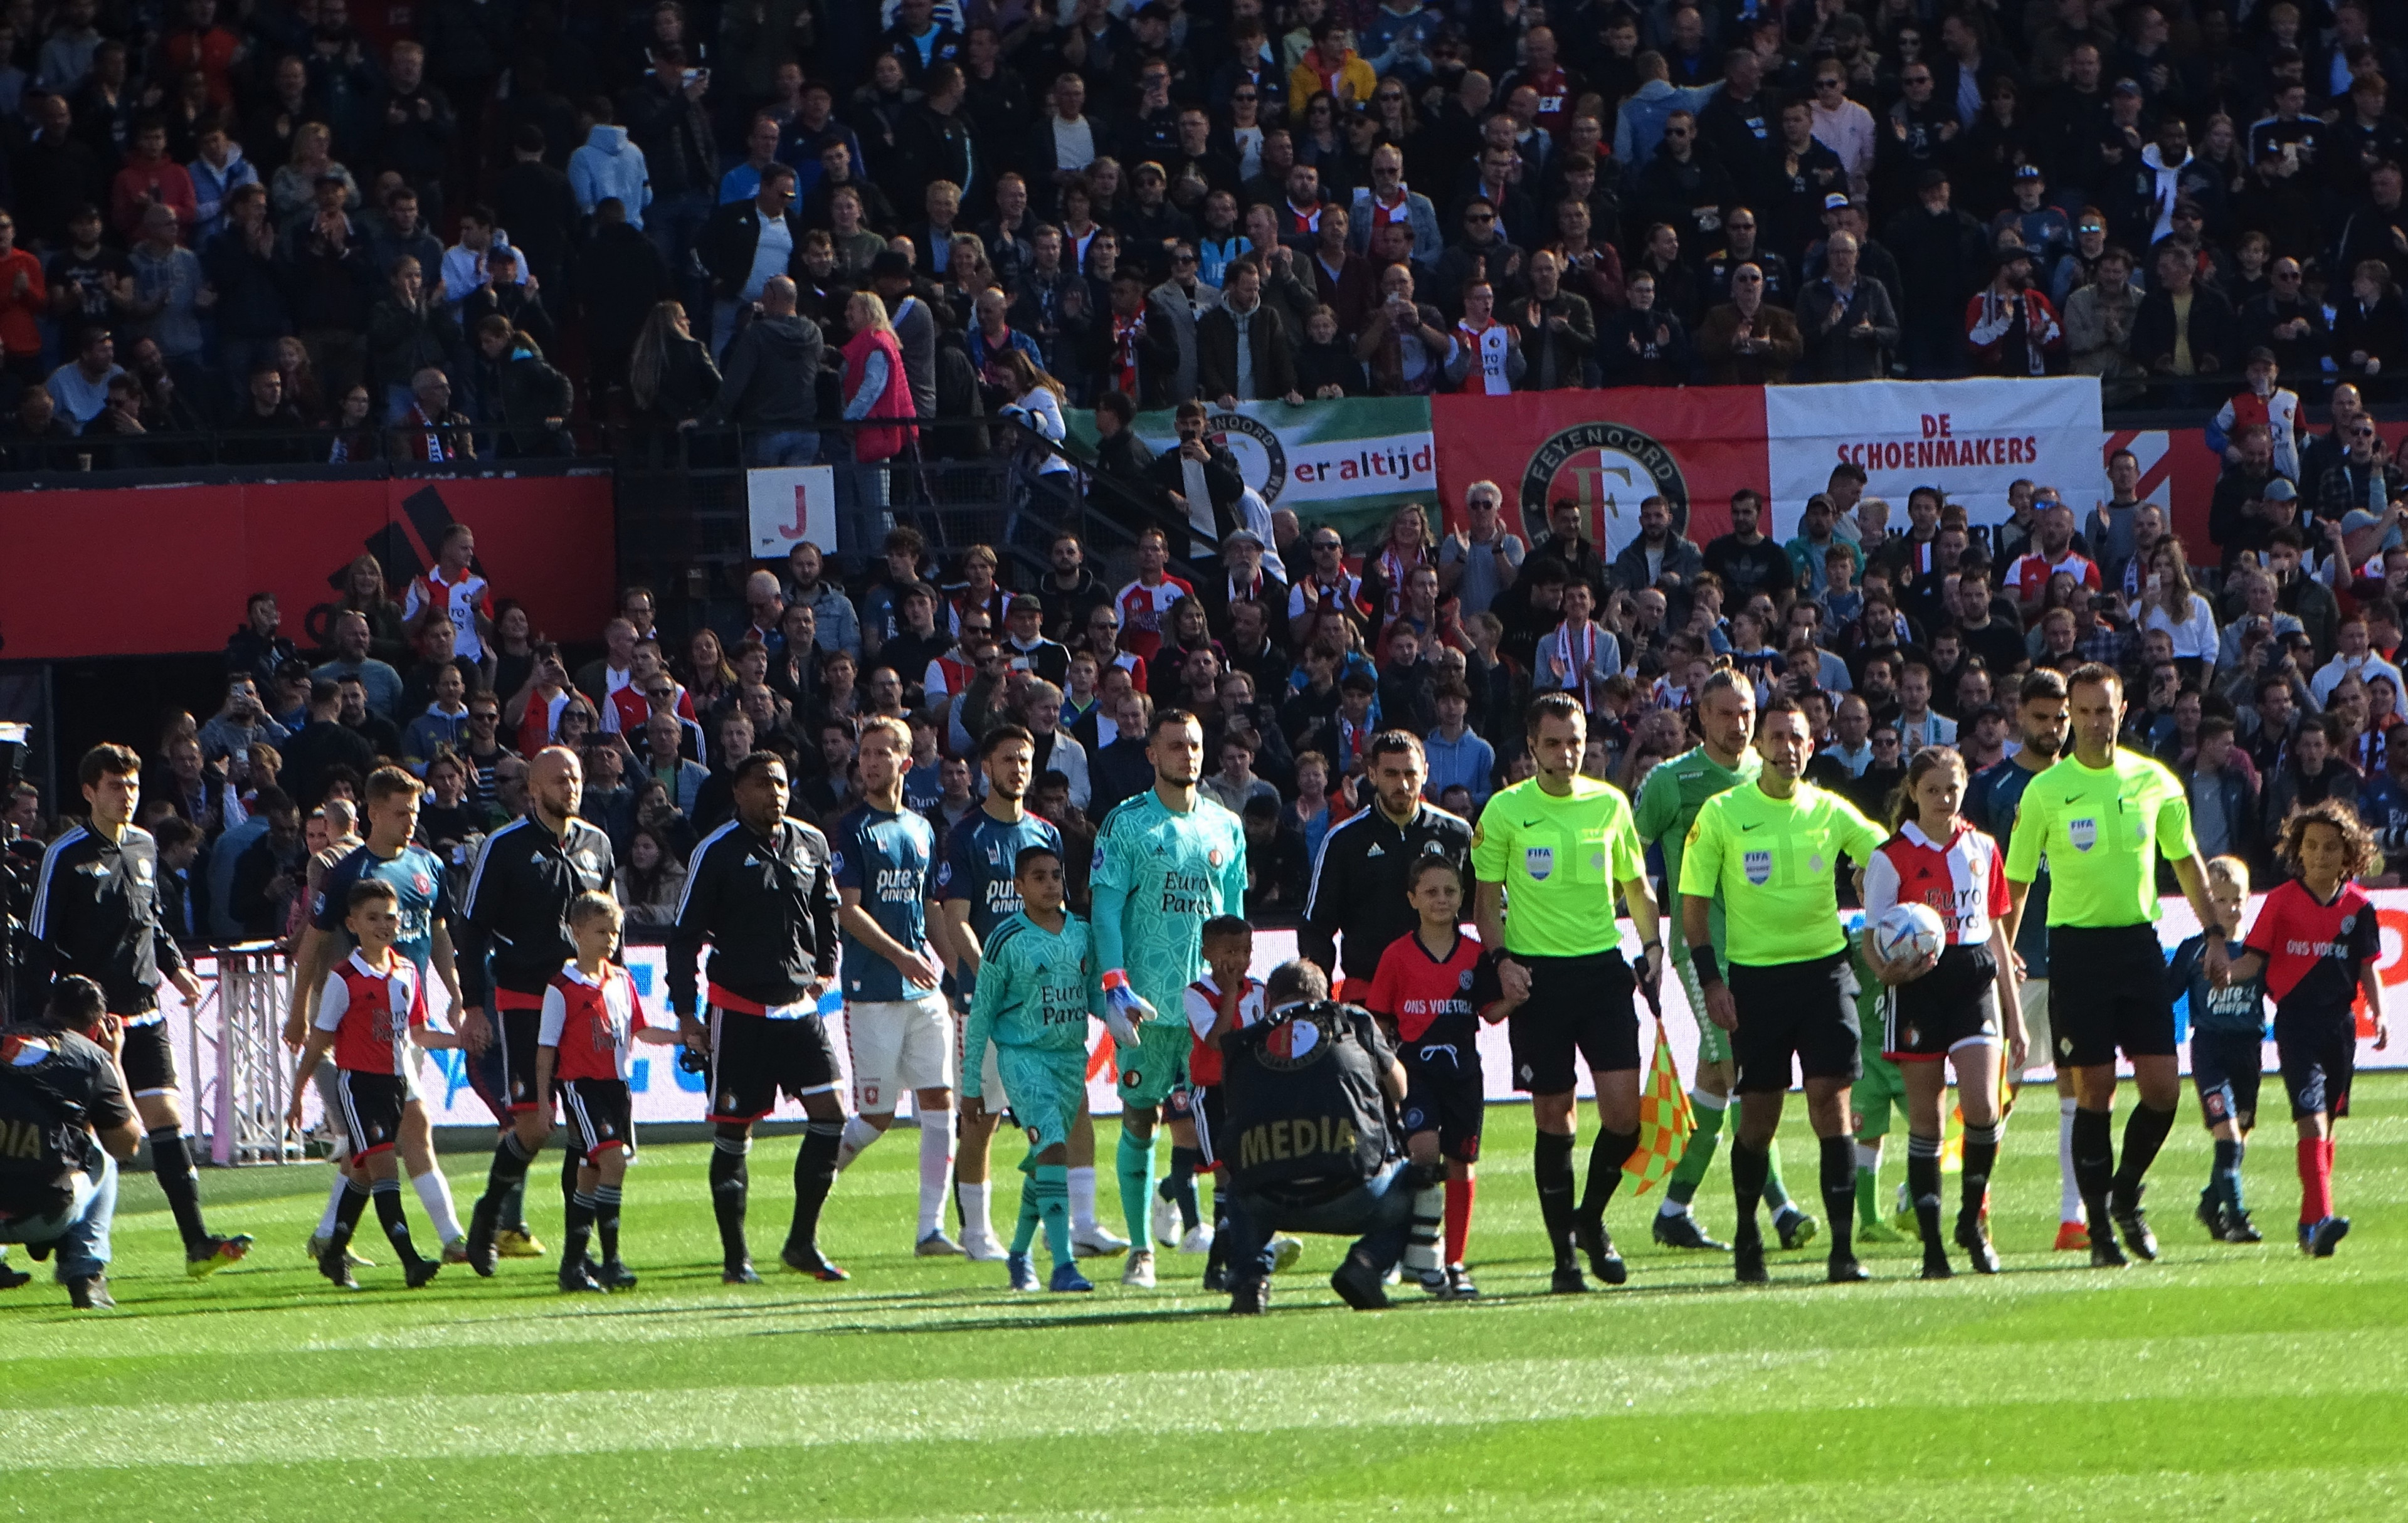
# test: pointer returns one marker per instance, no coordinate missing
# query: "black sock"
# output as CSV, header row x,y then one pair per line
x,y
581,1208
814,1176
1981,1158
2225,1183
571,1164
1923,1188
729,1183
346,1213
508,1177
2144,1131
387,1194
510,1210
171,1160
1606,1157
1840,1194
1180,1187
606,1220
1551,1163
1749,1168
2094,1168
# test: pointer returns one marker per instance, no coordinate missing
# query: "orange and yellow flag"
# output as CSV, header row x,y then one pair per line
x,y
1664,1119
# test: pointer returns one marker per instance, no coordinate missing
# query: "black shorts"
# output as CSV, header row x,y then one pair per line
x,y
515,1036
149,1059
372,1105
2319,1058
1445,1093
1959,1006
2226,1066
752,1057
600,1114
1801,1010
1204,1108
2107,991
1576,1005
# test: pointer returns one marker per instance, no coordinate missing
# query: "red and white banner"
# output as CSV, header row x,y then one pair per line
x,y
160,570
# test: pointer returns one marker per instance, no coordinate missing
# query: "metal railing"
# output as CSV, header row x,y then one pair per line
x,y
238,1063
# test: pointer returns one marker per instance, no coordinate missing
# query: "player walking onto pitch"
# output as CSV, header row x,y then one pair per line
x,y
1166,862
1667,806
1772,849
1038,984
761,889
1956,1006
2228,1049
591,1017
896,1026
2102,816
373,1009
2317,941
1549,852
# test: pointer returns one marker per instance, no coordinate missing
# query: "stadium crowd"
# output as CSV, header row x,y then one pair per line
x,y
433,220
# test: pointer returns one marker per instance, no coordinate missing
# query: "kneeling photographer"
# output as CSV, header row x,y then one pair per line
x,y
67,1121
1306,1097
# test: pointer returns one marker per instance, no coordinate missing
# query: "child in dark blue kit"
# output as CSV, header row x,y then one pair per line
x,y
2227,1050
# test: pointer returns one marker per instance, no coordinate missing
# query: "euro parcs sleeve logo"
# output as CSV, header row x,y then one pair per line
x,y
1608,469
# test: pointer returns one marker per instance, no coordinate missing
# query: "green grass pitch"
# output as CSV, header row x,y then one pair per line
x,y
2220,1383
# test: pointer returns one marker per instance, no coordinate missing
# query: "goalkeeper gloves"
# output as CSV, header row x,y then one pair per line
x,y
1122,1008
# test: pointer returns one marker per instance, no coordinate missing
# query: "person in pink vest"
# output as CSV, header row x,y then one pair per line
x,y
875,386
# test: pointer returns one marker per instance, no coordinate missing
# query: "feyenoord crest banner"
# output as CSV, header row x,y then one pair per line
x,y
1345,464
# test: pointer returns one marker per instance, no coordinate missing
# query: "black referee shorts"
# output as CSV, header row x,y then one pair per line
x,y
1577,1005
2107,990
1805,1011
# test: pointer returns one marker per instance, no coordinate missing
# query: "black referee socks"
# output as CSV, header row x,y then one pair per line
x,y
2144,1133
2094,1167
171,1161
1550,1162
1840,1194
1606,1157
1749,1168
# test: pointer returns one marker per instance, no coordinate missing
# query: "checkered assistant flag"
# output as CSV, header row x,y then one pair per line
x,y
1664,1119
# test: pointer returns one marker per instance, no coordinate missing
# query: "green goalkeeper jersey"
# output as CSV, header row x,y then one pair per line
x,y
1668,802
1158,875
1035,989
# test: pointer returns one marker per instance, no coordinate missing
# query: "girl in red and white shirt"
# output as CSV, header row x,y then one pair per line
x,y
1961,1006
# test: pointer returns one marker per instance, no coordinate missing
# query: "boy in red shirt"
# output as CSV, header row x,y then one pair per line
x,y
1226,999
1434,987
373,1003
2317,940
590,1018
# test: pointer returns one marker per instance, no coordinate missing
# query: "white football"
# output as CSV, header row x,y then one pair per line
x,y
1906,931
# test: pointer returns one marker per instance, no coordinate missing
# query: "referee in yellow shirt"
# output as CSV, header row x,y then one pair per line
x,y
1771,848
2102,816
1549,852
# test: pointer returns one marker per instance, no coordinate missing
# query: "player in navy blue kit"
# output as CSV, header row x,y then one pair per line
x,y
898,1031
423,899
2228,1049
974,892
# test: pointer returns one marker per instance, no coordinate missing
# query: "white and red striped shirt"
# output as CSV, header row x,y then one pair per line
x,y
372,1013
1963,881
2033,571
628,710
1143,609
464,600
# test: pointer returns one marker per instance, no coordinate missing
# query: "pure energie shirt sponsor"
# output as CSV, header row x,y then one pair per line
x,y
886,857
979,859
1773,861
2102,829
1558,859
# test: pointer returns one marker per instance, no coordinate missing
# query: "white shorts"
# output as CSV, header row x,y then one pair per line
x,y
895,1045
991,1097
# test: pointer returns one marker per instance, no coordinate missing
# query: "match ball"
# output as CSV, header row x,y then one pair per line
x,y
1906,931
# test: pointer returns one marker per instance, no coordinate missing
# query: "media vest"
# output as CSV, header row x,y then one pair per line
x,y
1301,1096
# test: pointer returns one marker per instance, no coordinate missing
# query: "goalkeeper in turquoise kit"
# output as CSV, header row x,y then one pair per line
x,y
1166,862
1037,987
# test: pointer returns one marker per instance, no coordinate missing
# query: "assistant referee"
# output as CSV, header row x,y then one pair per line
x,y
1771,849
1549,852
2102,816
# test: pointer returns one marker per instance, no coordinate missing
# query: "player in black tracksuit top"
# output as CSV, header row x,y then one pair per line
x,y
761,889
512,937
1358,878
97,913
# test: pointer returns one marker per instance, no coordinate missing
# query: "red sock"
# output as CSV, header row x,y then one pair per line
x,y
1458,1217
2316,1179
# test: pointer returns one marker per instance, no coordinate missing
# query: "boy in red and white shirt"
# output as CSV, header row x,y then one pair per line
x,y
373,1007
1226,999
1145,603
454,587
591,1019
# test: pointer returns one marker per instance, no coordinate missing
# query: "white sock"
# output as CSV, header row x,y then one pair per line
x,y
435,1194
858,1134
1868,1157
975,1198
1422,1243
326,1224
935,1167
1082,1198
2069,1204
